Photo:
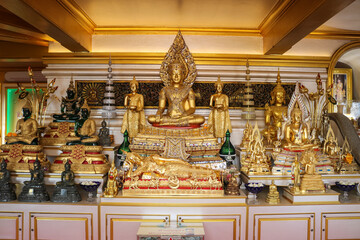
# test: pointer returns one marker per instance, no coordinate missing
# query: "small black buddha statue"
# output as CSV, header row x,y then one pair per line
x,y
35,190
104,135
66,190
70,106
7,192
85,129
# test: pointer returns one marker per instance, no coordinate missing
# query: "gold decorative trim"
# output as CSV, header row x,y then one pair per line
x,y
335,218
36,219
352,35
285,219
17,224
130,204
79,14
89,214
278,214
129,220
278,10
200,220
200,59
174,30
334,59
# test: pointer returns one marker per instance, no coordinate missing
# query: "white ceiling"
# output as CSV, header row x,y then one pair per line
x,y
347,19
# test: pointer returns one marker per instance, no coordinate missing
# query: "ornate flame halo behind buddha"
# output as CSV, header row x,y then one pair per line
x,y
178,73
295,136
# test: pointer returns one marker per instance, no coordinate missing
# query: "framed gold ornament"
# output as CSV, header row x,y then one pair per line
x,y
342,88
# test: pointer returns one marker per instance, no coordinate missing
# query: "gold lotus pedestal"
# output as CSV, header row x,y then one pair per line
x,y
21,157
84,159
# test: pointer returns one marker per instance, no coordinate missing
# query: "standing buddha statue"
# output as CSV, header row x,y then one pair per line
x,y
134,116
180,98
275,112
219,119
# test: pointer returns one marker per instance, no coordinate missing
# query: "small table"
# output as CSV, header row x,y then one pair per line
x,y
173,231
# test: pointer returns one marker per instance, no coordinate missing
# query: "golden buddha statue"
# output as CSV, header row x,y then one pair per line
x,y
246,135
311,181
178,79
112,187
331,147
296,133
219,118
134,116
276,111
26,129
295,170
85,129
23,149
177,176
273,196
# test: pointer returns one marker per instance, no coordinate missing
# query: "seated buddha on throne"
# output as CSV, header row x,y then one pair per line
x,y
178,94
23,147
176,131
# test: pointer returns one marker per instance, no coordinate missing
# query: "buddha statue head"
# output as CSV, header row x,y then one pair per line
x,y
37,164
177,70
71,90
219,85
134,85
278,93
27,110
67,166
85,110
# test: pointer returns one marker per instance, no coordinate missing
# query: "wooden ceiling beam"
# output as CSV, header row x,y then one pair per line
x,y
298,19
51,18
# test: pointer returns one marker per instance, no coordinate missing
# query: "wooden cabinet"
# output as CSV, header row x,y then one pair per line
x,y
11,225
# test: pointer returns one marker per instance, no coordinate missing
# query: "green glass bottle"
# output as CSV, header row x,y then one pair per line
x,y
227,151
123,147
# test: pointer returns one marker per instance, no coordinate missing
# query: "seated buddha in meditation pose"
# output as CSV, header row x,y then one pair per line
x,y
296,133
85,129
26,129
275,112
70,106
179,96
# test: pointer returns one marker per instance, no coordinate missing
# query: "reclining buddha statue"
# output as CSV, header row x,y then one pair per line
x,y
22,147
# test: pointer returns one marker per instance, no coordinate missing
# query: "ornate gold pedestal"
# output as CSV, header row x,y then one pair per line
x,y
172,186
198,144
84,159
21,157
312,183
57,133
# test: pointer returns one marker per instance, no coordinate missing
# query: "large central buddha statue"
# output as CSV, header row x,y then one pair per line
x,y
178,78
